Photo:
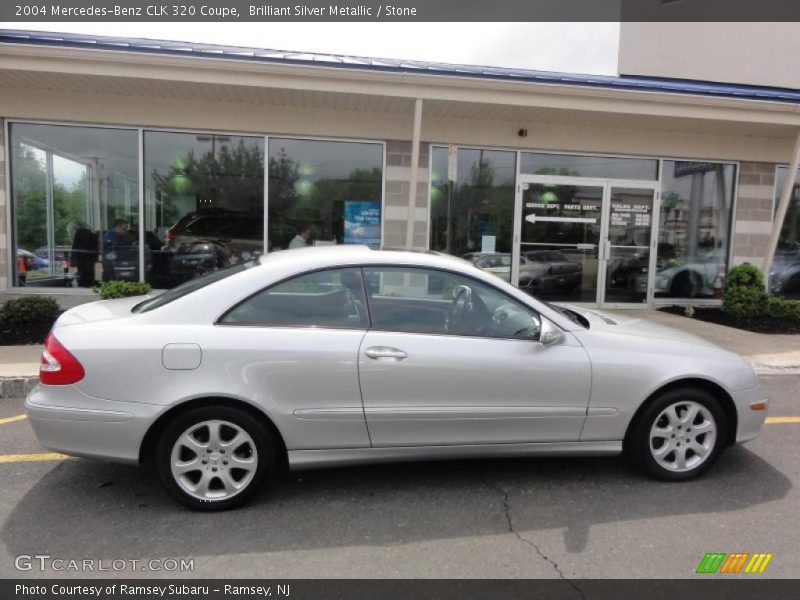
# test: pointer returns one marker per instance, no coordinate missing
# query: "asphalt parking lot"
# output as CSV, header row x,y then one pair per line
x,y
528,518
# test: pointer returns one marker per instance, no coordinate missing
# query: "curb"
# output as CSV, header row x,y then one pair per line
x,y
16,387
762,369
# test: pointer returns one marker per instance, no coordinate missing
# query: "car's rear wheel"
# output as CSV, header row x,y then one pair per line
x,y
687,284
214,457
680,434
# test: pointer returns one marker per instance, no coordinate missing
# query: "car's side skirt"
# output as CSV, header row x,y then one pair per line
x,y
337,457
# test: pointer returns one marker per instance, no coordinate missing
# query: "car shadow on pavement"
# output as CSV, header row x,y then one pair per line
x,y
88,509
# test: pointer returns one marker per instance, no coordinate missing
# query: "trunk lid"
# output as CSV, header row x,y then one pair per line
x,y
104,310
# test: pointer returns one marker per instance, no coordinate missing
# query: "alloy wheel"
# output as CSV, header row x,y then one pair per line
x,y
683,436
214,460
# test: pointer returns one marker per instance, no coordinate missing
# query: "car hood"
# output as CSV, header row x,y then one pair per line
x,y
638,327
667,352
104,310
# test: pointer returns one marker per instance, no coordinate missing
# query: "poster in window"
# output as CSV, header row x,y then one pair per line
x,y
362,223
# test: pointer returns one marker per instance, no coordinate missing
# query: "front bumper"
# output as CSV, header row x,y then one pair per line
x,y
750,421
66,420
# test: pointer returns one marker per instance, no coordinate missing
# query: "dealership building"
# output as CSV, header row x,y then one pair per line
x,y
159,161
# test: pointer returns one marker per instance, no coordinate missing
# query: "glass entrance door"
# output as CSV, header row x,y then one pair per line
x,y
628,234
559,241
584,240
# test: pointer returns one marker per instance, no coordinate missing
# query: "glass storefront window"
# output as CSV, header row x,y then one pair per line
x,y
74,190
474,214
694,228
204,203
324,192
785,276
600,167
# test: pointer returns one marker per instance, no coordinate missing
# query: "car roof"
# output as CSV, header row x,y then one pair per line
x,y
316,257
210,301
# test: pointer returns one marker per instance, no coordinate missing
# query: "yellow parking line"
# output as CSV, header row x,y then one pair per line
x,y
12,419
774,420
16,458
51,456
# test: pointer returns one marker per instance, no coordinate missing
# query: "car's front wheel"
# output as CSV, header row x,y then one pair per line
x,y
680,434
214,457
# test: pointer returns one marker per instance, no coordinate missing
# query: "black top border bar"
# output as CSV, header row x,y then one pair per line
x,y
400,10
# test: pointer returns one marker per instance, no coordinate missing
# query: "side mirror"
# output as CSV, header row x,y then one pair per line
x,y
550,334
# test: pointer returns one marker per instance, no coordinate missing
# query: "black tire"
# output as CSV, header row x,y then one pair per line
x,y
266,452
687,284
640,448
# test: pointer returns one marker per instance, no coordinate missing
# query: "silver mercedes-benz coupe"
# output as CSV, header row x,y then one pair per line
x,y
342,355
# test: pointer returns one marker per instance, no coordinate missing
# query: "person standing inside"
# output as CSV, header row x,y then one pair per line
x,y
83,254
113,240
301,239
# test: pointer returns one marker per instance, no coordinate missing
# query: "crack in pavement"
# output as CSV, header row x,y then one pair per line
x,y
507,513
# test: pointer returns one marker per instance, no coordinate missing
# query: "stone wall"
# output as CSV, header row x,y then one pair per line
x,y
753,219
398,174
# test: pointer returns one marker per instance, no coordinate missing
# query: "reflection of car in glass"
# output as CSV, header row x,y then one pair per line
x,y
629,272
495,263
693,278
549,270
31,261
539,270
257,367
784,277
124,262
61,255
195,259
224,234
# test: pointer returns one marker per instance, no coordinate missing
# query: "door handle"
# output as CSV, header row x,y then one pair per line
x,y
379,352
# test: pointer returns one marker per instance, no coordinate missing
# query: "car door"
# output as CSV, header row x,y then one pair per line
x,y
451,360
295,345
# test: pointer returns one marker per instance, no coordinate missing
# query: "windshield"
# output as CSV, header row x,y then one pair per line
x,y
190,286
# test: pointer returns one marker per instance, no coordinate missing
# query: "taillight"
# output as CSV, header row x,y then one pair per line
x,y
169,236
58,366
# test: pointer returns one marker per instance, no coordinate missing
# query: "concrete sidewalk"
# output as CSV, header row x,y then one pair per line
x,y
20,361
772,353
19,365
19,369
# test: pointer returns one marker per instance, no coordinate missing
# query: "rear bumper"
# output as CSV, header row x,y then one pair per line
x,y
750,421
68,421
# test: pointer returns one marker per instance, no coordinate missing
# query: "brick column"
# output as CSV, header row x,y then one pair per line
x,y
753,218
398,176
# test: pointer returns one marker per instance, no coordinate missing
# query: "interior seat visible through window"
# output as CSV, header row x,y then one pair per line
x,y
330,298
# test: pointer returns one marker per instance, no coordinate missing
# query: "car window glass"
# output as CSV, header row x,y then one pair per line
x,y
417,300
190,286
331,298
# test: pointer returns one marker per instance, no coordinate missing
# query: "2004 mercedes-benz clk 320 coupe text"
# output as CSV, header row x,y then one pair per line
x,y
340,355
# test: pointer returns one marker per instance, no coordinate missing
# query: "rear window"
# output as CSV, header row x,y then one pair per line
x,y
190,286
